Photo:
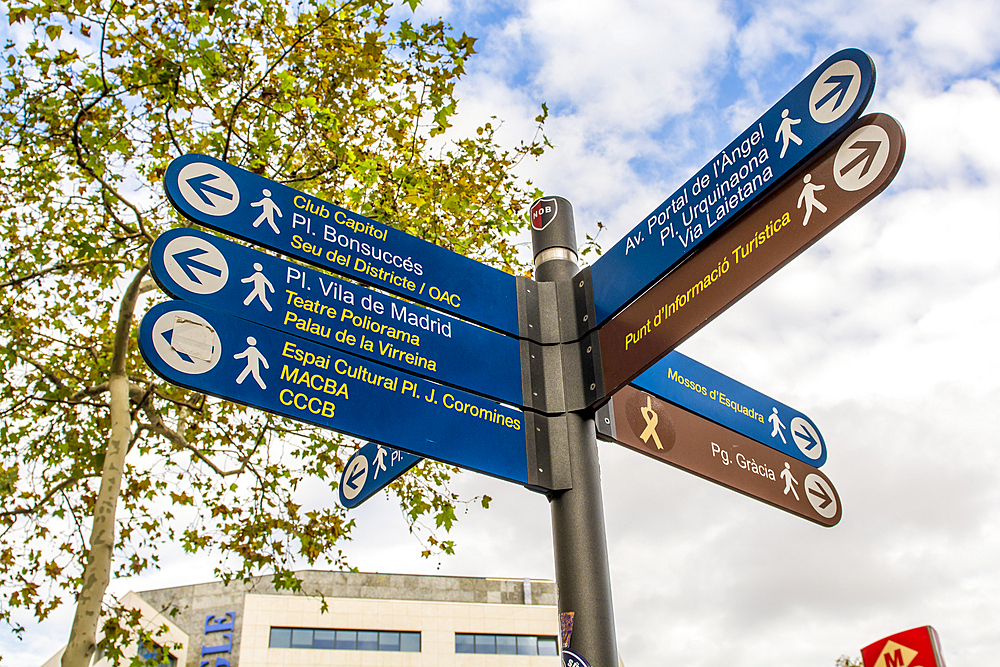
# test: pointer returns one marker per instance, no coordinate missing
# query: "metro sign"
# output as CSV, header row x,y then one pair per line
x,y
919,647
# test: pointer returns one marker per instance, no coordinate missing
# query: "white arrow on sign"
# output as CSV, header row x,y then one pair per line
x,y
186,342
821,496
355,477
196,265
861,158
208,188
806,438
835,91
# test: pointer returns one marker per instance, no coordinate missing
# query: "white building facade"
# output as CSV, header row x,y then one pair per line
x,y
349,618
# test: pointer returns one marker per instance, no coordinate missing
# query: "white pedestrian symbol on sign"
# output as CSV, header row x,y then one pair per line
x,y
268,209
379,461
260,283
785,133
254,360
786,475
776,422
808,197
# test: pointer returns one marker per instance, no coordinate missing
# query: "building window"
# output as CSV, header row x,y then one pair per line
x,y
345,640
505,644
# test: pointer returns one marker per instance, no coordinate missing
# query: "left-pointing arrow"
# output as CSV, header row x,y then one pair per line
x,y
186,260
192,261
199,184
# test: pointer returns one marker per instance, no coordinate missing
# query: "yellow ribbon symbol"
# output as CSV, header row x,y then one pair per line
x,y
651,420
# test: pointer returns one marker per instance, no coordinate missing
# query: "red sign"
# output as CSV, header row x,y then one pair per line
x,y
919,647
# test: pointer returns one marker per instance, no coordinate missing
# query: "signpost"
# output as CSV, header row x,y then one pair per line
x,y
234,201
699,389
919,647
665,432
194,347
828,190
371,469
225,276
801,123
273,334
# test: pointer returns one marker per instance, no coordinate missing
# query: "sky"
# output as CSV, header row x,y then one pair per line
x,y
884,333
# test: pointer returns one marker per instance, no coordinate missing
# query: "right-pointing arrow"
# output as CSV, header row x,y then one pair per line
x,y
868,151
843,83
821,493
807,436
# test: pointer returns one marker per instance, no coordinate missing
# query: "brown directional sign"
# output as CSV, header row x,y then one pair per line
x,y
797,214
642,422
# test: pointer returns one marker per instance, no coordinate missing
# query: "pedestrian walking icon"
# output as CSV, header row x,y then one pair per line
x,y
379,461
260,283
808,197
268,209
254,360
790,481
785,133
776,423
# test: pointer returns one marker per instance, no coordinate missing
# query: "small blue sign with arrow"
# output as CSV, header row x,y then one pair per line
x,y
688,384
371,469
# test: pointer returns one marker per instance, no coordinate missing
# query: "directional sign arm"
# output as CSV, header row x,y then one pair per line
x,y
270,214
696,445
756,161
684,382
238,360
750,250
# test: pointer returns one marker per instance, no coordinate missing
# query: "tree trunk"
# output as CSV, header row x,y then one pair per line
x,y
97,574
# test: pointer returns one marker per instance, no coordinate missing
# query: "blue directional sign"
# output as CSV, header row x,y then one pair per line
x,y
195,347
826,102
688,384
266,213
371,469
223,275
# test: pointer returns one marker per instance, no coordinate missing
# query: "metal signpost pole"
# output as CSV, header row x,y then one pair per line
x,y
578,535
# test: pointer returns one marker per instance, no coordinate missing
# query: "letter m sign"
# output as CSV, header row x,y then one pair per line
x,y
919,647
